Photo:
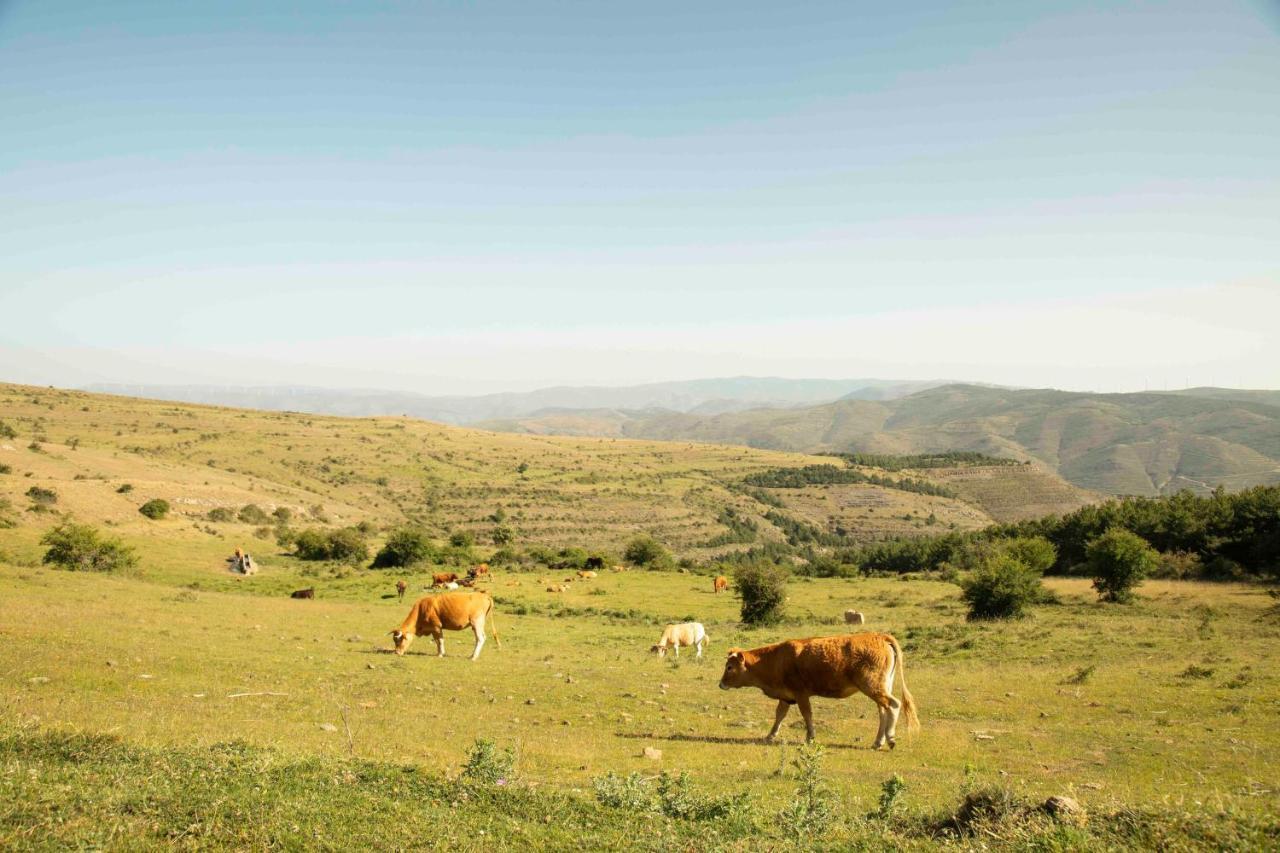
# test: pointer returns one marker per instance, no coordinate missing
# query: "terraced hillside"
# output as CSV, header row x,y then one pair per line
x,y
102,457
1143,444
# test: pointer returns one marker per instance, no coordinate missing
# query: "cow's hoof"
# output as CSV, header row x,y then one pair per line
x,y
893,744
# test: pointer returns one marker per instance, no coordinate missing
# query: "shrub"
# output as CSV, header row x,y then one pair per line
x,y
125,488
5,469
7,431
42,497
311,544
155,509
891,790
647,552
1001,587
79,547
253,514
282,515
462,539
1118,561
407,546
222,513
504,557
762,586
348,545
487,764
502,535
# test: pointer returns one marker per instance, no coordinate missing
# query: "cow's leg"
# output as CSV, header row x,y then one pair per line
x,y
699,654
478,628
807,712
439,638
778,716
675,648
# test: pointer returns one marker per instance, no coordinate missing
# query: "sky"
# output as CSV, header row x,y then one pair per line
x,y
467,197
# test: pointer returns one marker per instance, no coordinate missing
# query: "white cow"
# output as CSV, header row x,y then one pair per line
x,y
451,585
684,634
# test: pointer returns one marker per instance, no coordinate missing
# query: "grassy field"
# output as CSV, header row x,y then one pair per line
x,y
1170,704
181,704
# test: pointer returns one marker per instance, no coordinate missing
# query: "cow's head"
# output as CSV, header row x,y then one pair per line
x,y
735,670
402,641
660,649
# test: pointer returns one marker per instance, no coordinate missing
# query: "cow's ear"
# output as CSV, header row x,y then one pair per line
x,y
735,653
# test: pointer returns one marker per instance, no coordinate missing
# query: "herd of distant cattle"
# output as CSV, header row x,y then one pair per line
x,y
791,671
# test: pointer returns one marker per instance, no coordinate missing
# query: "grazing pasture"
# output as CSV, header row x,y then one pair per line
x,y
1168,704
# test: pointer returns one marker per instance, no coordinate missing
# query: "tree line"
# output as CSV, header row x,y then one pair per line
x,y
819,475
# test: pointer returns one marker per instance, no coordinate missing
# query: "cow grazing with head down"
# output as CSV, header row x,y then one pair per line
x,y
443,578
832,667
436,614
303,593
683,634
401,586
720,584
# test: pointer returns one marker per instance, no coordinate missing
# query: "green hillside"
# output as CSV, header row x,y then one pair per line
x,y
1146,444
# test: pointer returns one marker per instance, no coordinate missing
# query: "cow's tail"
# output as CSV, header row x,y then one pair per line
x,y
908,704
493,624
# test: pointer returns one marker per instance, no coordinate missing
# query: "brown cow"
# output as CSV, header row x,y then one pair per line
x,y
303,593
586,575
436,614
401,586
477,571
720,584
832,667
443,578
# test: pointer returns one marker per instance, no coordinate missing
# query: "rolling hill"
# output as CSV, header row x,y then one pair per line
x,y
1143,444
103,456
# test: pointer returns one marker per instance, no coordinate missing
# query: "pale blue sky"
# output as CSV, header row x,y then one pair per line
x,y
477,196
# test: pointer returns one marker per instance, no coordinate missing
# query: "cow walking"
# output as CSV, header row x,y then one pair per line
x,y
720,584
401,586
832,667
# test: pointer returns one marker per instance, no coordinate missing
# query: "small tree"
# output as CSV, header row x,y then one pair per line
x,y
1000,587
647,552
311,544
762,586
79,547
462,539
407,546
1118,561
155,509
503,535
222,513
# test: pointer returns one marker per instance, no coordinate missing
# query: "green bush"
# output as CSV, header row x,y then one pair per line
x,y
155,509
348,545
487,764
79,547
5,469
407,546
222,513
647,552
762,586
311,544
462,539
502,535
253,514
1000,587
282,515
7,431
125,488
1118,561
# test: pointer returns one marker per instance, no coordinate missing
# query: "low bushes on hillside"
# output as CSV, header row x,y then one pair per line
x,y
406,547
42,497
79,547
647,552
222,514
815,475
345,545
253,514
948,459
155,509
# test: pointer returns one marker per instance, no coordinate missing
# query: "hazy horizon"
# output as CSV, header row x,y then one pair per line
x,y
449,199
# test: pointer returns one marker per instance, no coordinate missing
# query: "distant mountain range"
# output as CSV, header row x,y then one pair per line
x,y
1144,444
699,396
